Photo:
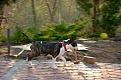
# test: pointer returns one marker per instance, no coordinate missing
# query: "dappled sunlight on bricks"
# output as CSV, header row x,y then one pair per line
x,y
42,71
5,66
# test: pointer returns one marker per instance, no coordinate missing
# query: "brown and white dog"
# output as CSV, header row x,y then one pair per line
x,y
55,49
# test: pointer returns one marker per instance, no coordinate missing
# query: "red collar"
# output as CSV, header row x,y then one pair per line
x,y
64,45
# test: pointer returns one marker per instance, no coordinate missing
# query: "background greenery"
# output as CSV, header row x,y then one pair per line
x,y
57,19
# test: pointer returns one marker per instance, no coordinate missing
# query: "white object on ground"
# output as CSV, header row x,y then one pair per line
x,y
23,47
90,41
80,47
82,39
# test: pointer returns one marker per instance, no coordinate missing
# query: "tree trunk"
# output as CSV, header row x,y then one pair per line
x,y
95,15
52,10
34,12
1,13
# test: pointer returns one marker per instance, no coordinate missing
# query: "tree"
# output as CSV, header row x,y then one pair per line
x,y
52,9
110,15
95,15
85,6
2,4
34,12
105,14
90,8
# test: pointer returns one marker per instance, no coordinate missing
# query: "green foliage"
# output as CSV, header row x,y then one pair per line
x,y
19,36
118,30
86,5
2,38
53,32
4,2
107,19
111,16
2,35
59,31
30,31
108,16
50,32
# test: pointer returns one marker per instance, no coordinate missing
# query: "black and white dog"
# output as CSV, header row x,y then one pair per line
x,y
56,49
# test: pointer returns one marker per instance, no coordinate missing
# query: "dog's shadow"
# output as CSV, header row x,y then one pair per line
x,y
92,66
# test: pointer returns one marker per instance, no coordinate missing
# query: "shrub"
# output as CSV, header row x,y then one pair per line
x,y
49,32
19,36
2,38
58,31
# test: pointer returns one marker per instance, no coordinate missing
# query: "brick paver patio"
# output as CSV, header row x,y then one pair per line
x,y
19,70
5,66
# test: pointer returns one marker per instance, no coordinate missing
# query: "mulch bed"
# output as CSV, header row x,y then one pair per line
x,y
104,50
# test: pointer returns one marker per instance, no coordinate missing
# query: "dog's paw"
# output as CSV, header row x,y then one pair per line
x,y
54,67
65,65
76,62
29,66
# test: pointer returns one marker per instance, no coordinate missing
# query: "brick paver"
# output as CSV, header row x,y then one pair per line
x,y
5,66
42,71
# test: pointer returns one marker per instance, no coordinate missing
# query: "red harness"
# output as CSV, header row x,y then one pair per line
x,y
64,45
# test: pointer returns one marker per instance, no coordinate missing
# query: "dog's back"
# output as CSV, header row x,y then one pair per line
x,y
45,48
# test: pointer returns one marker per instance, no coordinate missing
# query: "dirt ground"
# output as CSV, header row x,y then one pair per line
x,y
102,50
105,50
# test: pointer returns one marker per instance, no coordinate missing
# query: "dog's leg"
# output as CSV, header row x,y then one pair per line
x,y
27,59
53,63
29,63
64,60
74,53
